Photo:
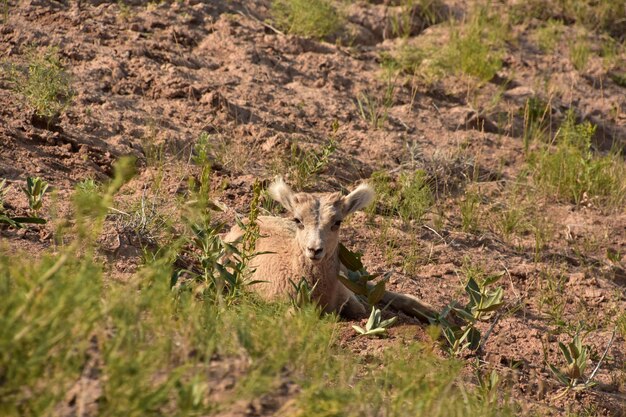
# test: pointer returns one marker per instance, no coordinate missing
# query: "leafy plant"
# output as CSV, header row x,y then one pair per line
x,y
580,53
470,213
409,197
304,165
44,83
309,18
458,323
375,326
359,281
576,355
35,190
572,172
302,293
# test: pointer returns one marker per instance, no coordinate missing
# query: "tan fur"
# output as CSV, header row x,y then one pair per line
x,y
307,249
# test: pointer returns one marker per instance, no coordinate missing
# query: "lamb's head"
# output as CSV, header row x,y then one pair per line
x,y
318,217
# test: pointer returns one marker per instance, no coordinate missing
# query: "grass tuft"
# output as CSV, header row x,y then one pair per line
x,y
572,172
43,82
308,18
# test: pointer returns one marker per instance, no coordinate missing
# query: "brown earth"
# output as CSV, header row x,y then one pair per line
x,y
158,76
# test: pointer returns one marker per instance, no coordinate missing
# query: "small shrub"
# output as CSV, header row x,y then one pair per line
x,y
303,166
475,49
410,197
548,36
44,83
571,172
579,53
308,18
470,213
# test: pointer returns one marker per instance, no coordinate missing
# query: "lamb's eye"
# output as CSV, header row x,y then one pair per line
x,y
336,225
298,222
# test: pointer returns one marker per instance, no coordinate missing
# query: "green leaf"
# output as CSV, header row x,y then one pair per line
x,y
377,293
388,323
350,259
359,329
9,221
566,353
559,375
491,279
357,288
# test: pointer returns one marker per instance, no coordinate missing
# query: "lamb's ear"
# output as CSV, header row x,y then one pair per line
x,y
358,199
282,193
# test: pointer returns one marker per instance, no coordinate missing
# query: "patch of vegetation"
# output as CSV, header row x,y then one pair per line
x,y
408,197
576,355
43,82
149,343
458,324
308,18
549,35
302,166
579,52
475,49
607,16
470,212
570,171
375,325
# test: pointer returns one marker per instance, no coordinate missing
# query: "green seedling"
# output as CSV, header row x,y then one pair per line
x,y
302,293
482,299
358,280
576,355
375,326
35,190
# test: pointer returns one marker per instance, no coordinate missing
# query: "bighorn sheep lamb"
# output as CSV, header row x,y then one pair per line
x,y
306,246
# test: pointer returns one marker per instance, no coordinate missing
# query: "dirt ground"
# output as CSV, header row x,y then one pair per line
x,y
155,77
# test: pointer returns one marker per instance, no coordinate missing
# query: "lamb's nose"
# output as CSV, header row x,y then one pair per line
x,y
316,252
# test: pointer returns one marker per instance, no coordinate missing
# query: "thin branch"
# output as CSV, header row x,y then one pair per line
x,y
256,19
435,232
608,346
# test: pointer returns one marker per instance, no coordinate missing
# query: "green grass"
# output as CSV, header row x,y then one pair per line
x,y
579,53
475,50
549,35
409,196
43,82
607,16
570,171
303,166
307,18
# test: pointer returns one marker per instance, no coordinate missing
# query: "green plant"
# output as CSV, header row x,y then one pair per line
x,y
470,212
358,280
458,324
302,293
580,52
44,83
304,165
549,35
536,121
576,355
35,190
571,172
409,197
375,326
309,18
488,386
373,109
